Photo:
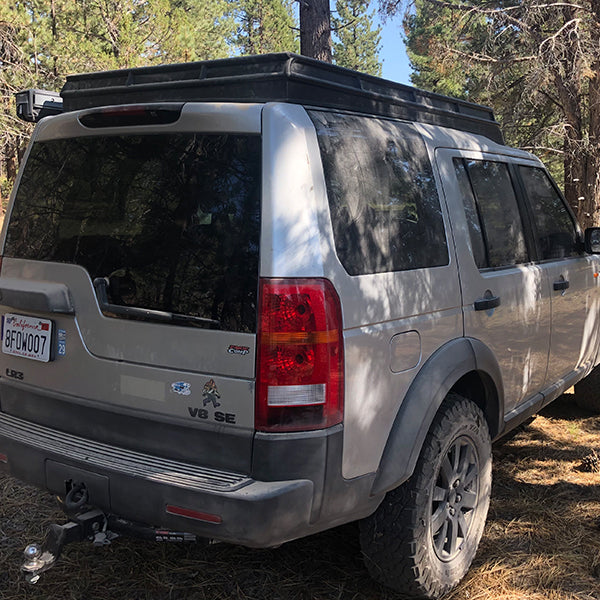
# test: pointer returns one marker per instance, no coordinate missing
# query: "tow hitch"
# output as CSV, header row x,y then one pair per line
x,y
91,524
88,525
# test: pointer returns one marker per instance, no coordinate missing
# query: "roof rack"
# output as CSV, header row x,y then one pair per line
x,y
282,77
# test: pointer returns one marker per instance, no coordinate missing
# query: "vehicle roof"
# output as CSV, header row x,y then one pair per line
x,y
444,137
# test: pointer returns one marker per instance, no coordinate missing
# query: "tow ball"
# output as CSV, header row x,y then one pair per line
x,y
87,525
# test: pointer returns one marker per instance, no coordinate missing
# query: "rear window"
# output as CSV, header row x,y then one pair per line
x,y
171,221
383,201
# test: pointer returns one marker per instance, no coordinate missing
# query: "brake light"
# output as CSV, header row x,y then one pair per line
x,y
130,115
300,369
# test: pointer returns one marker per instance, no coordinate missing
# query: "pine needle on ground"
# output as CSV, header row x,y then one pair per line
x,y
542,540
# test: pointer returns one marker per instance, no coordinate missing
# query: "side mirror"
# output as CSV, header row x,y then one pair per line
x,y
592,240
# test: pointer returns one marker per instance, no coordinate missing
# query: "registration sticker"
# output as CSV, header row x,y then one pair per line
x,y
61,338
28,337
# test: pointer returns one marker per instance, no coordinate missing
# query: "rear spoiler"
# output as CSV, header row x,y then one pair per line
x,y
33,105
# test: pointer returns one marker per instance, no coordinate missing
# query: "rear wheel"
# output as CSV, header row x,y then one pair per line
x,y
424,535
587,392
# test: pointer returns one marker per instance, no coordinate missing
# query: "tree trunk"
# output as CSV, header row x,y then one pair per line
x,y
315,29
589,157
580,182
590,215
12,162
592,188
570,93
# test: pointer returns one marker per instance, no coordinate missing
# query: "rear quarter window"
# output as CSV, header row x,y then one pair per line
x,y
384,206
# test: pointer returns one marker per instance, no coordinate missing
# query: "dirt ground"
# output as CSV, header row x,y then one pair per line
x,y
542,540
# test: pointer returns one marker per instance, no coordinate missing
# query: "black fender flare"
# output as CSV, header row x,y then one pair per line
x,y
428,390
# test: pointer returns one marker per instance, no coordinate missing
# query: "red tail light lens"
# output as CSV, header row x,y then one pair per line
x,y
300,355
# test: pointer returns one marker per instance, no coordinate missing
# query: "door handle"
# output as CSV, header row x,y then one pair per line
x,y
487,303
563,284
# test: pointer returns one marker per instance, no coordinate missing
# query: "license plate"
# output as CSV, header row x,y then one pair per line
x,y
28,337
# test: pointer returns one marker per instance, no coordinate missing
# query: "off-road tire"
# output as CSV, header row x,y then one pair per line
x,y
587,392
404,542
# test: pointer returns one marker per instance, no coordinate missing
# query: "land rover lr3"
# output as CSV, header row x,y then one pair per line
x,y
255,298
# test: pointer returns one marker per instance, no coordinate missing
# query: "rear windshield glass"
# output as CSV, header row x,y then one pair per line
x,y
171,221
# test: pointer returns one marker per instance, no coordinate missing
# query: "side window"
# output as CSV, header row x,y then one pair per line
x,y
383,201
497,211
472,214
556,232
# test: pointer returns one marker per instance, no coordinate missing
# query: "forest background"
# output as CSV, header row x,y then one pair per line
x,y
43,41
536,62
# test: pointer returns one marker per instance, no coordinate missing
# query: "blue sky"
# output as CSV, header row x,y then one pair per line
x,y
393,53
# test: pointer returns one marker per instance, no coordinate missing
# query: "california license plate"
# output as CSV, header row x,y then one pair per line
x,y
29,337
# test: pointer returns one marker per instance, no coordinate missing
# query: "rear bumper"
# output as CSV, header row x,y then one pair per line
x,y
140,487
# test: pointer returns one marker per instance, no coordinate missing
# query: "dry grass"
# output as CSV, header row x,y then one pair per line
x,y
542,541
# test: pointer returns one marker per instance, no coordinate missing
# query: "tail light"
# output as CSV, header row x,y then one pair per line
x,y
300,369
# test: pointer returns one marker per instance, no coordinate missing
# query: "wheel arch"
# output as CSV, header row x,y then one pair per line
x,y
465,366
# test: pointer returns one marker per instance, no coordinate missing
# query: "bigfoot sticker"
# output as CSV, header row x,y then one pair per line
x,y
210,393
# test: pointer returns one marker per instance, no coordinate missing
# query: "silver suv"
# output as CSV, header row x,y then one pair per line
x,y
256,298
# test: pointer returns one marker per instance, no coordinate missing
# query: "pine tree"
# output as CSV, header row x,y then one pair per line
x,y
357,42
103,34
201,30
429,31
537,64
17,71
266,26
42,41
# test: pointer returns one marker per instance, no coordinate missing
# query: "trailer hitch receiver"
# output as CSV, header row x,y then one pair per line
x,y
90,524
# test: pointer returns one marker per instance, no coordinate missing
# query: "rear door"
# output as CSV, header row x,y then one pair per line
x,y
149,226
570,274
506,298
